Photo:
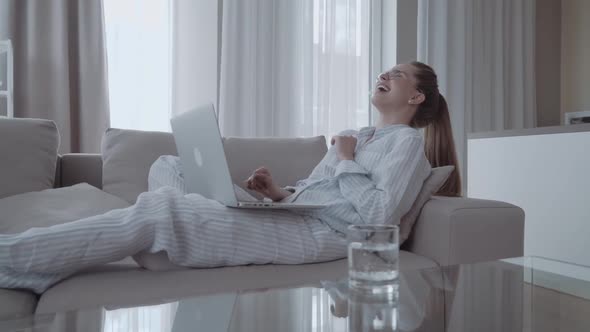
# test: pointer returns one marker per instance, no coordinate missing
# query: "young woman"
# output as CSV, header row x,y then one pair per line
x,y
368,177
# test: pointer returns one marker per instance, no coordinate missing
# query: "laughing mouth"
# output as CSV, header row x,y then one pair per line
x,y
382,88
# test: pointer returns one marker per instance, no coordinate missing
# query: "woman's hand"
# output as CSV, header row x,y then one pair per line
x,y
345,146
261,181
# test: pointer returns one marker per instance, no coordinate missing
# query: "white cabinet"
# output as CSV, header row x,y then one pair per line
x,y
6,78
545,172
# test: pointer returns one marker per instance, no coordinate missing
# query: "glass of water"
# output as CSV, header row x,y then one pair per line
x,y
372,313
373,258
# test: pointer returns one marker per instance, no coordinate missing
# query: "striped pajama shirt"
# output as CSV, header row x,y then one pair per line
x,y
198,232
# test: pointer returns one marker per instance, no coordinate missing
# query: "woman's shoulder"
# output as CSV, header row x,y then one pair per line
x,y
401,139
408,131
402,133
348,132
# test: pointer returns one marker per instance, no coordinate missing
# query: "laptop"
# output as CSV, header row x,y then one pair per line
x,y
205,169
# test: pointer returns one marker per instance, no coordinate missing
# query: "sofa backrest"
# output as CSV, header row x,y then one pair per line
x,y
29,154
127,155
74,168
31,161
288,159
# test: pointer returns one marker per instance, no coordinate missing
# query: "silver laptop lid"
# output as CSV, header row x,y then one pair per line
x,y
202,156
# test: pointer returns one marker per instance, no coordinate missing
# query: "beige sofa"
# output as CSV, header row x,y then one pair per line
x,y
448,231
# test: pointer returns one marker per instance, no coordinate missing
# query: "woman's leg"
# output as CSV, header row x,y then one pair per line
x,y
208,234
166,172
40,257
194,231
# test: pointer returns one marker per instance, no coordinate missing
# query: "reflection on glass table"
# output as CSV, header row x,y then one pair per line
x,y
522,294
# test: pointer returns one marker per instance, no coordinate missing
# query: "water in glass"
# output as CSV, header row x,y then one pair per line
x,y
373,254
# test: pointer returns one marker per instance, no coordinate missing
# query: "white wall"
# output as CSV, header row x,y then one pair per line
x,y
195,53
575,56
547,176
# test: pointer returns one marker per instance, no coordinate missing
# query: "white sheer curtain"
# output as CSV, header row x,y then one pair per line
x,y
294,68
483,52
139,63
341,67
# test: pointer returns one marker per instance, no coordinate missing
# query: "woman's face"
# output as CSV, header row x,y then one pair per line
x,y
396,88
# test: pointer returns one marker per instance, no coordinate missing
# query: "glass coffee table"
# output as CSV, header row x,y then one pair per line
x,y
520,294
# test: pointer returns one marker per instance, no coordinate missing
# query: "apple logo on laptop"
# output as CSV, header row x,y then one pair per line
x,y
198,157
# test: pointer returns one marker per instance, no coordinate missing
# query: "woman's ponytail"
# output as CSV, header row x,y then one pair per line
x,y
440,148
433,115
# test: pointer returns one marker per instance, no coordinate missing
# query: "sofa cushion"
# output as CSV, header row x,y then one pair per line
x,y
117,286
431,185
126,159
29,155
54,206
128,155
158,261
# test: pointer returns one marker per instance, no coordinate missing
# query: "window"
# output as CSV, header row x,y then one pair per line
x,y
139,49
341,65
139,63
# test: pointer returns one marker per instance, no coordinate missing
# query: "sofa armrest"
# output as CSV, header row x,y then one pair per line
x,y
454,230
81,167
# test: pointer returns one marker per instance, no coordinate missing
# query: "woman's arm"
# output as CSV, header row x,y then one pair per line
x,y
261,181
377,196
329,158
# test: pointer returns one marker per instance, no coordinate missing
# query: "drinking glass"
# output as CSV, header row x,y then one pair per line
x,y
373,258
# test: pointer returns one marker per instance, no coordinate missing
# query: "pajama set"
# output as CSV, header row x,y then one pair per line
x,y
377,187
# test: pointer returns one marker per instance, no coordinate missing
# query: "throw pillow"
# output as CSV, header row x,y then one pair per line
x,y
54,206
127,156
433,183
29,155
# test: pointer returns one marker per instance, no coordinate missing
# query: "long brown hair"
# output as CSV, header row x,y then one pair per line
x,y
433,116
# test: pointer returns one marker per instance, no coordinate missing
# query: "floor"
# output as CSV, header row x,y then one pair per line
x,y
548,310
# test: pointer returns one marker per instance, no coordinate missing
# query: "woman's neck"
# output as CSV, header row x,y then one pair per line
x,y
389,119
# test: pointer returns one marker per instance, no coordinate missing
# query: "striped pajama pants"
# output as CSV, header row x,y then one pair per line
x,y
194,231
